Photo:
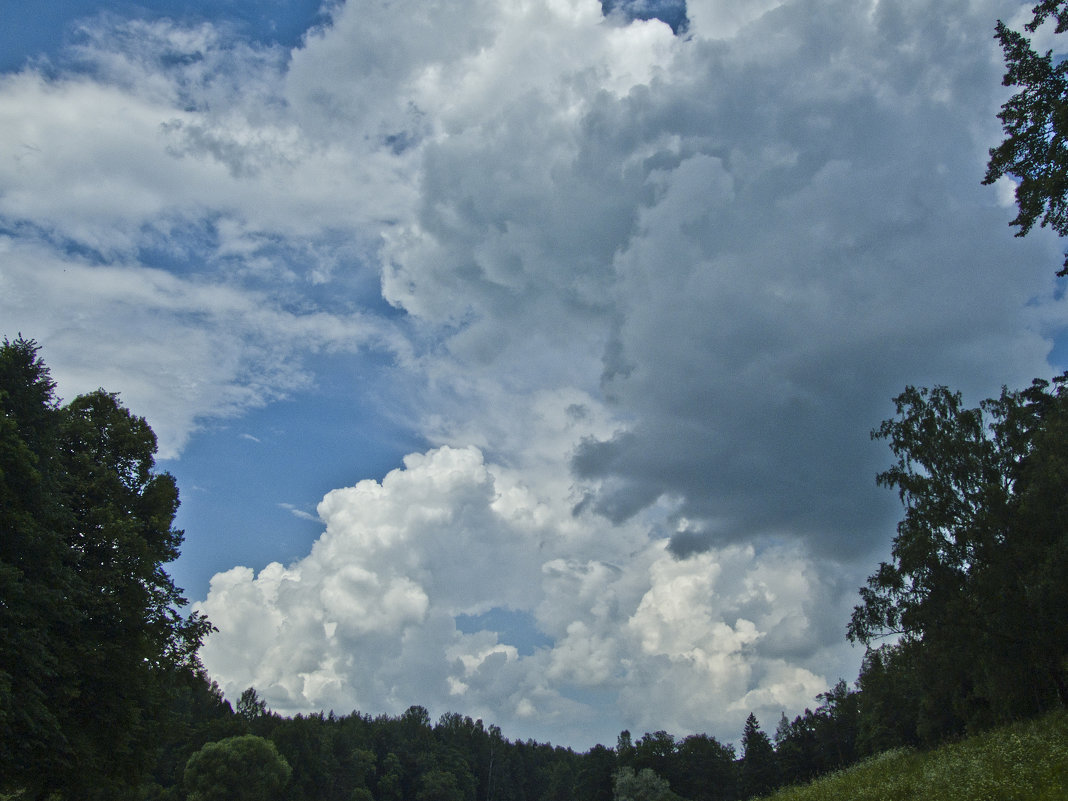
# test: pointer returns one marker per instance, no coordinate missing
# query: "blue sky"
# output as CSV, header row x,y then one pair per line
x,y
513,359
29,32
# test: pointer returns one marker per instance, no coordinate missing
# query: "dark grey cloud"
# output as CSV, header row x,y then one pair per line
x,y
819,239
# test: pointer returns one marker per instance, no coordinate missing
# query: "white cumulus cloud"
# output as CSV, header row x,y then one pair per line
x,y
370,619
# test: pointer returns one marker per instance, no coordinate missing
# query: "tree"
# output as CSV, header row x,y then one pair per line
x,y
34,569
243,768
708,771
439,785
760,772
561,784
390,785
129,632
657,751
198,714
1035,120
644,785
797,749
888,689
819,742
625,753
836,726
250,706
306,745
91,633
978,579
594,780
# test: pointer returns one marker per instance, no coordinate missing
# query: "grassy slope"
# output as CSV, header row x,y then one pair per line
x,y
1027,761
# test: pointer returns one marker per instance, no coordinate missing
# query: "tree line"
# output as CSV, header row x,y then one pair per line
x,y
222,754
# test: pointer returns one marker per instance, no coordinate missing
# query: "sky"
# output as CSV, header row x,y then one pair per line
x,y
520,359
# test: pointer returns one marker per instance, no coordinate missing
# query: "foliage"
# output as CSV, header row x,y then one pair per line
x,y
33,571
643,785
979,576
1035,121
594,781
92,639
250,706
705,769
1023,761
822,741
197,714
760,769
656,752
357,758
886,719
243,768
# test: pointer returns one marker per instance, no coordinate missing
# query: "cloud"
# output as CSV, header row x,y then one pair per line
x,y
368,620
760,240
167,233
738,253
176,349
645,295
378,593
296,512
178,124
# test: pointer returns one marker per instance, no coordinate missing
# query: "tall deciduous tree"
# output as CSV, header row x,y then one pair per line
x,y
250,707
657,751
91,630
978,580
1035,120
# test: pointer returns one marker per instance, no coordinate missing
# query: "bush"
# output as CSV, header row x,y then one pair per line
x,y
245,768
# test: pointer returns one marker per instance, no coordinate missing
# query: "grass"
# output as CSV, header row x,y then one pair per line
x,y
1024,762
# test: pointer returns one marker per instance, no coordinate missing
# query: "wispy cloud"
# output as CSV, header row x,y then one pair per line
x,y
301,513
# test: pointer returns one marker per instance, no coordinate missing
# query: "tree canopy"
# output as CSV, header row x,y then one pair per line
x,y
643,785
978,582
88,616
1035,121
242,768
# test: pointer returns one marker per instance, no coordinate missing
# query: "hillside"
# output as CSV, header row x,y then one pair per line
x,y
1026,761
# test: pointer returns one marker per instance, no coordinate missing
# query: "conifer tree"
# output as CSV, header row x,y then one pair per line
x,y
760,772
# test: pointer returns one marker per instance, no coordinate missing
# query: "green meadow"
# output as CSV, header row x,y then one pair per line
x,y
1025,762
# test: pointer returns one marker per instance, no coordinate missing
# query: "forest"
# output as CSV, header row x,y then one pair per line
x,y
102,693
